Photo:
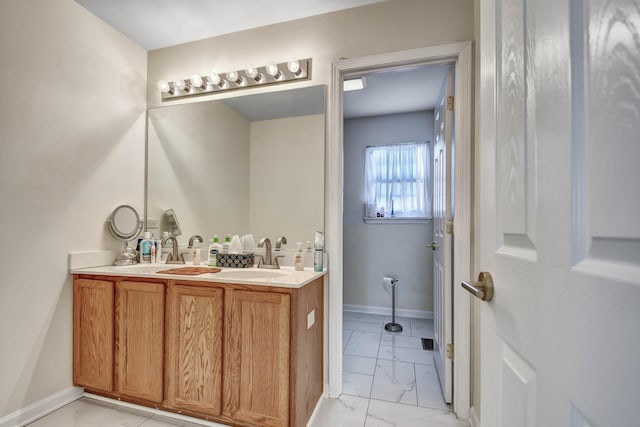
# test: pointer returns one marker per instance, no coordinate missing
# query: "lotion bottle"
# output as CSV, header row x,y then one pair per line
x,y
226,244
213,251
145,248
298,258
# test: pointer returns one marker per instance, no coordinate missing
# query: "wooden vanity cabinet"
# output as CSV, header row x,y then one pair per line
x,y
257,357
93,334
194,348
244,355
139,343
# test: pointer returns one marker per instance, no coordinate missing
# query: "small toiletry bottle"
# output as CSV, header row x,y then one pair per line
x,y
196,254
317,255
298,258
145,248
226,244
153,250
159,251
213,251
308,245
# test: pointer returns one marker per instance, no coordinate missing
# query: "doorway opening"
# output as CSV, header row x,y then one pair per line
x,y
391,125
459,55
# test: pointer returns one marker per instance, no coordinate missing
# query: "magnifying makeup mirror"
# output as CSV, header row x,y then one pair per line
x,y
125,224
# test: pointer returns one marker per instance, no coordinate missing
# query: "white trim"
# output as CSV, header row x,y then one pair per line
x,y
461,55
386,311
41,408
397,220
474,420
157,413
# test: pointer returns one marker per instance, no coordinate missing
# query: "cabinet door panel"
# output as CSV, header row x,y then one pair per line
x,y
93,334
139,339
257,358
194,350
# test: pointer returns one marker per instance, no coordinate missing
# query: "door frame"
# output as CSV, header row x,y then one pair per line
x,y
459,54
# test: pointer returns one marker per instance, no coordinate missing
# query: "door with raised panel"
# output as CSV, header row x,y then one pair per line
x,y
194,348
559,212
257,354
93,334
140,339
442,250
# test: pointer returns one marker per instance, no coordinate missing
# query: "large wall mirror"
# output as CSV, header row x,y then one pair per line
x,y
250,164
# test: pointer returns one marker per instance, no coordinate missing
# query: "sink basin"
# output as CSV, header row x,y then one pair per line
x,y
250,274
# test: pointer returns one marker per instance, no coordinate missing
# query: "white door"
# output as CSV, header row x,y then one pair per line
x,y
443,310
558,206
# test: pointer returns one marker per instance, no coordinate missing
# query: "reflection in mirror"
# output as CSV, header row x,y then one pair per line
x,y
246,165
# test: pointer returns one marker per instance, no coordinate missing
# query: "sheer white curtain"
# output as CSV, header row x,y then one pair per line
x,y
398,180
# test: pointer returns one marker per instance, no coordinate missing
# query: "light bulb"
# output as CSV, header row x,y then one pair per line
x,y
233,76
196,81
254,74
164,87
272,70
182,85
214,78
294,67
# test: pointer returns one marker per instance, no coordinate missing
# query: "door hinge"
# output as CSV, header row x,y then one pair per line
x,y
450,351
449,226
450,100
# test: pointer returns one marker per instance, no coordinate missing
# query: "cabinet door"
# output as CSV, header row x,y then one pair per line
x,y
257,333
194,349
139,339
93,334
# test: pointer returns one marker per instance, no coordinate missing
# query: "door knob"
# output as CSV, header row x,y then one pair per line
x,y
483,288
433,246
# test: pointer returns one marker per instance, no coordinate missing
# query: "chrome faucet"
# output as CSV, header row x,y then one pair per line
x,y
266,261
173,257
280,241
193,238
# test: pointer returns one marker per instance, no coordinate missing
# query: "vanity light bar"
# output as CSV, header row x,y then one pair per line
x,y
269,74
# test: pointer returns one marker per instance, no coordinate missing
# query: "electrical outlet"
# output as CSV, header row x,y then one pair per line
x,y
153,223
311,319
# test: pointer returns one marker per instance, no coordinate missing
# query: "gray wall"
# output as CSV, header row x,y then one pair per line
x,y
374,250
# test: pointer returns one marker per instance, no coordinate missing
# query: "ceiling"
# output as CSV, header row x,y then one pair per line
x,y
155,24
396,91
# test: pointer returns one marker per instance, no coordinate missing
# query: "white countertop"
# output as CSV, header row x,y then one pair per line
x,y
285,277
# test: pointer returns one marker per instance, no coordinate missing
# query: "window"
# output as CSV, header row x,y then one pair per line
x,y
398,181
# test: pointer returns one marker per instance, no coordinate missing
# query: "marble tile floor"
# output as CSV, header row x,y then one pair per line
x,y
389,374
388,381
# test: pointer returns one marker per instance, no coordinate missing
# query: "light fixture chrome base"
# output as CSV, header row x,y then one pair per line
x,y
244,80
393,327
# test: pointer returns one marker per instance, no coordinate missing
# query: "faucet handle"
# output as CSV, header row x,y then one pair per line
x,y
275,261
260,260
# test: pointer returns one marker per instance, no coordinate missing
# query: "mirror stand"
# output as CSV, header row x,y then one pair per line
x,y
125,224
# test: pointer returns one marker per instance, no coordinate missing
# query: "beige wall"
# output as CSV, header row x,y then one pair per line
x,y
382,27
287,178
72,117
198,161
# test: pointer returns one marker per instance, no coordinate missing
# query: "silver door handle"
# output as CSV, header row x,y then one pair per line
x,y
433,246
483,288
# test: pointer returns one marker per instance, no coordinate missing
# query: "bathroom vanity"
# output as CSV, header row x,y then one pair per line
x,y
242,347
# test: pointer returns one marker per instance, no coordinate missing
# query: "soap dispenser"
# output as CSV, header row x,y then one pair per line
x,y
298,258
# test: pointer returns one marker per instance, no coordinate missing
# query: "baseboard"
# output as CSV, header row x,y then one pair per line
x,y
386,311
474,420
41,408
314,414
158,414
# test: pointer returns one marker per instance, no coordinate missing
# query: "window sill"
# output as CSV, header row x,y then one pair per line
x,y
397,220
